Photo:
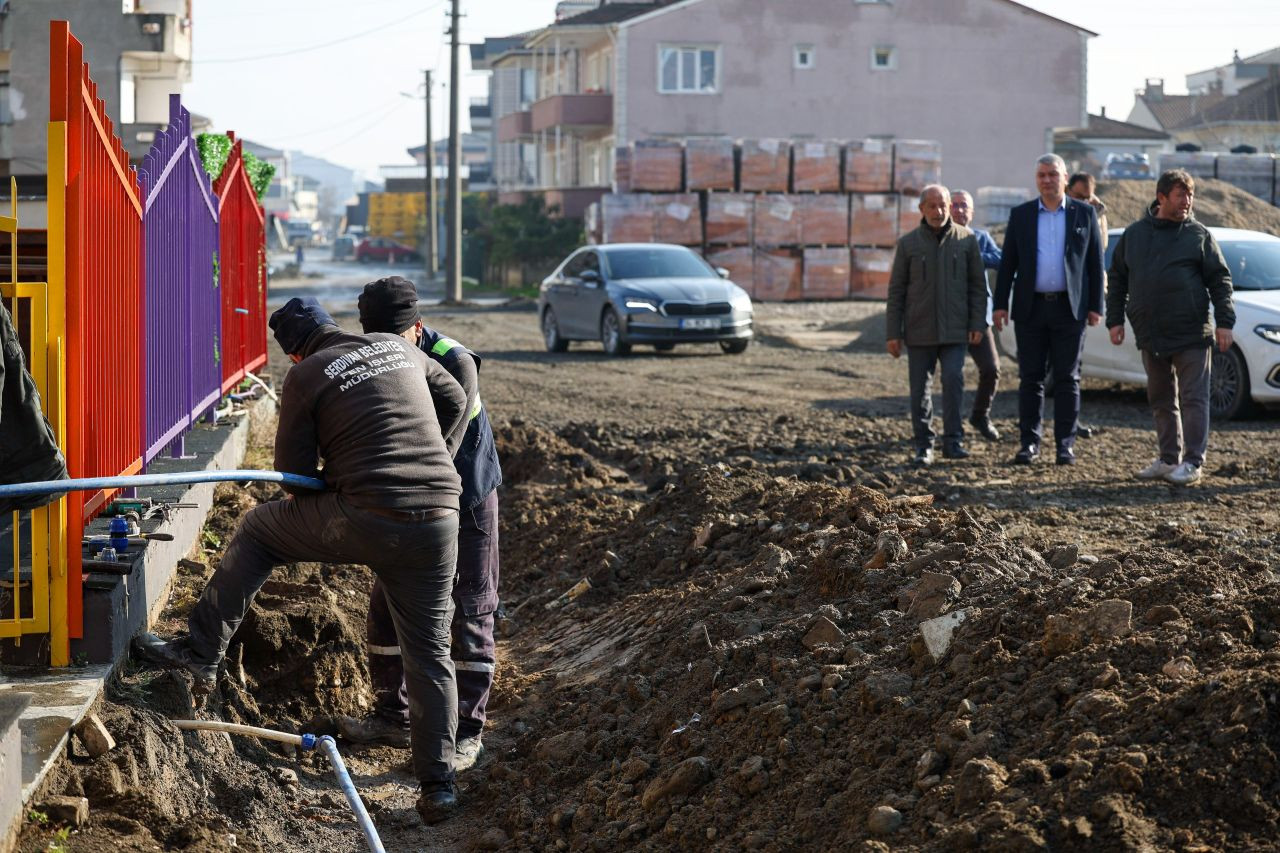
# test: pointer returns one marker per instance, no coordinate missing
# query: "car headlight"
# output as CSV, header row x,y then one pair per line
x,y
740,301
636,303
1270,333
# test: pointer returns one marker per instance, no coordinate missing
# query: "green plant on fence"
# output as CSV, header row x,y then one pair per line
x,y
215,148
217,270
260,173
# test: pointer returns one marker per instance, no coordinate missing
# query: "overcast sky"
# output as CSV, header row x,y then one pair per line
x,y
325,76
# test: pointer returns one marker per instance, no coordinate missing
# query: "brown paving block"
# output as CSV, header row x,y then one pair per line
x,y
777,275
739,261
873,219
815,166
916,164
678,218
826,273
777,220
824,219
627,218
766,165
868,166
708,164
729,219
869,275
657,165
909,215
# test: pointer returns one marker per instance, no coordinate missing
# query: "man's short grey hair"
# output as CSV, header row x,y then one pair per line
x,y
964,193
935,188
1053,160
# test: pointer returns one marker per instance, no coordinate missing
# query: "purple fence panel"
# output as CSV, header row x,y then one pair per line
x,y
183,305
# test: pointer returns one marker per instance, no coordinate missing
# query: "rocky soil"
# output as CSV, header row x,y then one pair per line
x,y
792,639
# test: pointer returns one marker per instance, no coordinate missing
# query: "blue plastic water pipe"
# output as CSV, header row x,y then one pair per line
x,y
93,484
330,748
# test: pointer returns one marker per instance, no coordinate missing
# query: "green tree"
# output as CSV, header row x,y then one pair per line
x,y
530,236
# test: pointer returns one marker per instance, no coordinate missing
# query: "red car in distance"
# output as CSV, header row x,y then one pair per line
x,y
383,250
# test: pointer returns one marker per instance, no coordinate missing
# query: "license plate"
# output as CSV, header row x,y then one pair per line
x,y
700,323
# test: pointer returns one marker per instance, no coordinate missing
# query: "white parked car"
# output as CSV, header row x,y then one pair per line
x,y
1248,373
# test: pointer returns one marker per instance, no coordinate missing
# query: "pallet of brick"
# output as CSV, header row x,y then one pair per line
x,y
869,273
657,165
765,166
776,275
627,218
824,219
622,169
739,261
826,273
708,164
1253,173
1198,164
909,215
916,164
815,167
995,203
873,219
729,219
777,220
868,166
678,218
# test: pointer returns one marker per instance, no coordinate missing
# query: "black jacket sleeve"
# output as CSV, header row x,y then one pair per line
x,y
1117,285
1008,265
1093,265
1217,278
297,447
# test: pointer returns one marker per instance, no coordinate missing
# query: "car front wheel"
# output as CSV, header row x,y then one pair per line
x,y
1229,386
611,334
551,333
733,347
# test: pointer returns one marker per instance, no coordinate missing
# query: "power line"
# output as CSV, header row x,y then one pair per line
x,y
342,40
362,131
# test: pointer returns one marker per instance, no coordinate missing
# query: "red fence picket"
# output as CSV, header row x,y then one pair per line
x,y
244,271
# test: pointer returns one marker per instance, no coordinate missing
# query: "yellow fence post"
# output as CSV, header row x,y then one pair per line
x,y
59,635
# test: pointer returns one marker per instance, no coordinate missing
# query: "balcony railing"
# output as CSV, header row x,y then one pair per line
x,y
573,111
513,126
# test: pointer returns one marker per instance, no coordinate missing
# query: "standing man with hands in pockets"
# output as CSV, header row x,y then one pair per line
x,y
1052,268
1166,271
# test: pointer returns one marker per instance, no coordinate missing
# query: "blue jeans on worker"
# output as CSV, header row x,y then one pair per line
x,y
922,363
1050,337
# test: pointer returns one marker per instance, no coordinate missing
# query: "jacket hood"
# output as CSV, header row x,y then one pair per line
x,y
319,339
1157,222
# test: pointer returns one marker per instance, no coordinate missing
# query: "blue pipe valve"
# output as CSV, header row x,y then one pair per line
x,y
119,532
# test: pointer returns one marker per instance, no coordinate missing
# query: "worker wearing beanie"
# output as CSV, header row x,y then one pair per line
x,y
387,439
391,305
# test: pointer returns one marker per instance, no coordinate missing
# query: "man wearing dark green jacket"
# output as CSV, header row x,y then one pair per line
x,y
938,306
1166,271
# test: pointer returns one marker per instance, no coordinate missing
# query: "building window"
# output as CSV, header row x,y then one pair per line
x,y
884,58
805,57
689,69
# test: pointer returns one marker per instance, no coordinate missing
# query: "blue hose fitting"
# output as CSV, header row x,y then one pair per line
x,y
308,742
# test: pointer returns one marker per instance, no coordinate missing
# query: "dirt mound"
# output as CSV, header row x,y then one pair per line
x,y
749,671
1218,204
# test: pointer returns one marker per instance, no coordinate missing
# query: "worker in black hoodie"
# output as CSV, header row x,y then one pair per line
x,y
387,440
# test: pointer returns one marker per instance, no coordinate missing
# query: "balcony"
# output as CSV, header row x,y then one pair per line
x,y
513,126
579,112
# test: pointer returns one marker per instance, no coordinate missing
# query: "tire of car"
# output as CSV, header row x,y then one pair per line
x,y
551,333
733,347
1229,386
664,347
611,334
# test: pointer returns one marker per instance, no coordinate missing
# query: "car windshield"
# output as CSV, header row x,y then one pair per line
x,y
656,263
1255,264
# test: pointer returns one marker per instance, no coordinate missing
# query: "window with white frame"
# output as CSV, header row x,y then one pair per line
x,y
804,56
884,58
689,69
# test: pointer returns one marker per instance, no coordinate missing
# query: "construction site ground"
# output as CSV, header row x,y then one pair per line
x,y
747,670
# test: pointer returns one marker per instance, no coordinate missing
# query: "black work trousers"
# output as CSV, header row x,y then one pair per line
x,y
414,562
987,359
475,600
1050,337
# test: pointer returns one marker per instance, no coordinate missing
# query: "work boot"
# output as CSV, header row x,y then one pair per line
x,y
984,427
467,753
175,654
373,729
439,800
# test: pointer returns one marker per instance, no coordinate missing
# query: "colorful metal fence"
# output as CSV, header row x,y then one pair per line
x,y
34,540
243,270
183,301
105,380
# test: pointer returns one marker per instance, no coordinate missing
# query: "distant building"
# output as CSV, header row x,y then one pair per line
x,y
1214,120
1087,148
138,53
1229,79
573,92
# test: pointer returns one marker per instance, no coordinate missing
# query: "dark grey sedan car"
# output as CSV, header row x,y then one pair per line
x,y
642,293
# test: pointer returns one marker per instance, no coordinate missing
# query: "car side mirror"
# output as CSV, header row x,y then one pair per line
x,y
590,277
722,272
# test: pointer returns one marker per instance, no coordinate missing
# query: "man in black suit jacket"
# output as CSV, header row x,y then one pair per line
x,y
1052,265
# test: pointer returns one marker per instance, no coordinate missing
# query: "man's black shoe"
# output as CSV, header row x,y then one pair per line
x,y
1066,456
924,456
955,451
985,428
1028,454
1083,431
437,802
175,654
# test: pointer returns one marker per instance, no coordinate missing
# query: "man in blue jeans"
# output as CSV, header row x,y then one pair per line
x,y
391,305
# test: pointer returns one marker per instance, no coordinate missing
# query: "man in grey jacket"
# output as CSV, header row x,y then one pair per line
x,y
1166,271
937,306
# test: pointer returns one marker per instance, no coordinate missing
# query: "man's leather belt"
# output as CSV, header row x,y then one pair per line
x,y
1053,296
412,514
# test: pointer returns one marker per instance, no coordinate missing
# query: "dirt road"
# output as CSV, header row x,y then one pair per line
x,y
746,671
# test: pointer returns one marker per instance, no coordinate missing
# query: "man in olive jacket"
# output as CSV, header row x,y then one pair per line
x,y
938,307
1166,271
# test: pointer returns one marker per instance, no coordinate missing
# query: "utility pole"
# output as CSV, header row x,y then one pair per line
x,y
453,292
433,237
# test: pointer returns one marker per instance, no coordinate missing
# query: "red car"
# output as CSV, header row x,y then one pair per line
x,y
380,249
